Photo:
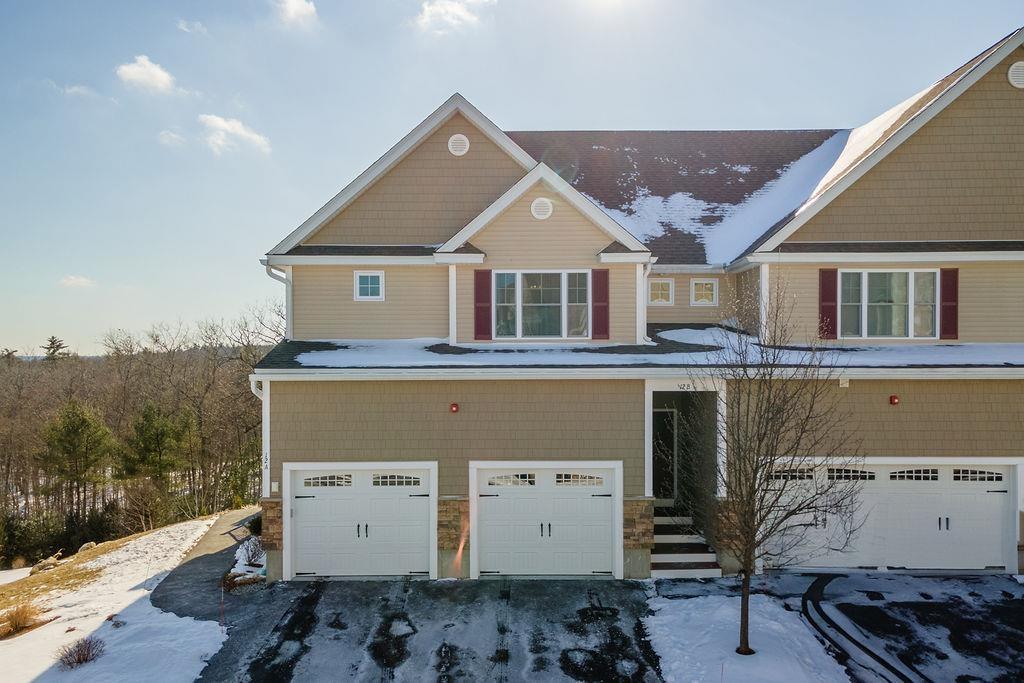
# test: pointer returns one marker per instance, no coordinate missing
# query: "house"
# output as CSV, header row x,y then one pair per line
x,y
487,329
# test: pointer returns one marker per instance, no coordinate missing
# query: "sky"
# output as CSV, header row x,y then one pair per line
x,y
151,153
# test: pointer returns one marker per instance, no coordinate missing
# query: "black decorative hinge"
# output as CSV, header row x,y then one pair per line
x,y
483,572
600,495
419,495
305,573
426,573
488,495
305,496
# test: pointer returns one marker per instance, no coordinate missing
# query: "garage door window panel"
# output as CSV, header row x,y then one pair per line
x,y
976,475
516,479
921,474
328,480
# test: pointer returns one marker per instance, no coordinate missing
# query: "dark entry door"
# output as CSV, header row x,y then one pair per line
x,y
666,455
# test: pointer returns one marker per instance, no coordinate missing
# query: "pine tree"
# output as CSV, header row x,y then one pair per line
x,y
78,445
54,349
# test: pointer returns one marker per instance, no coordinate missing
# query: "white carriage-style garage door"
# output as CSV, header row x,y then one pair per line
x,y
930,517
361,522
538,520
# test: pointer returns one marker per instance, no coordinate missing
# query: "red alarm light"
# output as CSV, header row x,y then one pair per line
x,y
894,400
454,407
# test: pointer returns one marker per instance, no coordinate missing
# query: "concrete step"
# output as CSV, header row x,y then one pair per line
x,y
683,557
682,552
677,538
685,570
686,521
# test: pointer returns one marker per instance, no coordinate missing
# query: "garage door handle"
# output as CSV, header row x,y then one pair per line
x,y
549,529
366,530
542,529
358,535
947,523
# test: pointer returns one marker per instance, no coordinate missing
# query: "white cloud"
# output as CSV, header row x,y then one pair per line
x,y
296,12
77,281
225,134
170,138
79,91
191,27
443,16
146,75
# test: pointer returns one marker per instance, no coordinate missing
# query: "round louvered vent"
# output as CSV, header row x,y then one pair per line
x,y
542,208
458,144
1016,74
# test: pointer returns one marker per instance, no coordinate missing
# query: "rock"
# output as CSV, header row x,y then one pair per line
x,y
44,565
87,546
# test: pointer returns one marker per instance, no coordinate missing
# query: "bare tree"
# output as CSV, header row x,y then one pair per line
x,y
788,489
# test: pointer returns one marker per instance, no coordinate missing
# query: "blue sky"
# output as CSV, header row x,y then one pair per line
x,y
150,153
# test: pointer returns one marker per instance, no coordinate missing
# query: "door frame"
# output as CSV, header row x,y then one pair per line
x,y
289,468
617,501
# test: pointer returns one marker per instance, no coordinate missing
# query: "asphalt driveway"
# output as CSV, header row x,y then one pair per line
x,y
439,631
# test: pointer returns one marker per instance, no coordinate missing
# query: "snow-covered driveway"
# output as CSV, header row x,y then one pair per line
x,y
140,640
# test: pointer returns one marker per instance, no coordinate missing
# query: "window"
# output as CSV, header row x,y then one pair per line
x,y
846,474
395,480
704,292
798,474
542,305
368,285
661,292
976,475
328,480
518,479
926,474
578,479
888,304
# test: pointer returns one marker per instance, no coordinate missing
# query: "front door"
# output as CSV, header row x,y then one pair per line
x,y
666,456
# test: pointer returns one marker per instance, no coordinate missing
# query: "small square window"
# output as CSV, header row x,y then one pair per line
x,y
704,292
368,286
661,292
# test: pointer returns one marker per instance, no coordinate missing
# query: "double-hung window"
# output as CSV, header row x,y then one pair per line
x,y
898,304
368,285
542,305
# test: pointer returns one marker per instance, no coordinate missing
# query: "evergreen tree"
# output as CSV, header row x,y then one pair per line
x,y
54,349
77,448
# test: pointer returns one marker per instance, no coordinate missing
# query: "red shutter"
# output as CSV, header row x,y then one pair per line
x,y
482,305
828,294
949,291
599,283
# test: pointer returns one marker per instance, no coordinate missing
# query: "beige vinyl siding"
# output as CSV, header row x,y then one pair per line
x,y
937,418
991,298
957,178
748,298
497,420
415,303
682,312
429,195
516,240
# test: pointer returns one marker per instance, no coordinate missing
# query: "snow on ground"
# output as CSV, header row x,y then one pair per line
x,y
10,575
139,637
416,353
696,639
241,555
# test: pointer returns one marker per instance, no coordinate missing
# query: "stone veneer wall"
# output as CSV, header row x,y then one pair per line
x,y
452,523
638,524
272,523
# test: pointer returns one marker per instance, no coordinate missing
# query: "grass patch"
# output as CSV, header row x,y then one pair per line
x,y
68,576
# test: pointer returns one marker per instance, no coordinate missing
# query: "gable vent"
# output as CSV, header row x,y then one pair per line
x,y
542,208
1016,74
458,144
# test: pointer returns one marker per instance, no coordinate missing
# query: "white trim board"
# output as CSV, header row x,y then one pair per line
x,y
617,502
888,257
456,104
997,54
543,173
287,468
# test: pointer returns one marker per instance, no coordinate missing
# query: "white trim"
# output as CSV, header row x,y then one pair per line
x,y
459,258
564,304
863,304
641,303
866,257
286,500
648,439
617,501
682,268
626,257
455,104
671,291
452,307
356,274
926,114
351,260
763,300
264,395
542,172
694,281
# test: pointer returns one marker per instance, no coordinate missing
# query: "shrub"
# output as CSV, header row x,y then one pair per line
x,y
80,652
19,618
255,525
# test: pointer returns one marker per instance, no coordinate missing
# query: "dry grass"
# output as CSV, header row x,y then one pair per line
x,y
80,652
68,576
19,618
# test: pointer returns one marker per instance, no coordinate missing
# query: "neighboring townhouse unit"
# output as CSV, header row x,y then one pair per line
x,y
490,332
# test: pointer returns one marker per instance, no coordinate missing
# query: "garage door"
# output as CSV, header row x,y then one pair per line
x,y
360,522
928,517
540,521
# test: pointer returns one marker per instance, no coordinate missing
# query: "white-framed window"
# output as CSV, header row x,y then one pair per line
x,y
704,291
889,304
533,304
368,285
661,291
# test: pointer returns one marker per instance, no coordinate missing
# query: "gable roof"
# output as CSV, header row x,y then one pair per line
x,y
543,173
456,104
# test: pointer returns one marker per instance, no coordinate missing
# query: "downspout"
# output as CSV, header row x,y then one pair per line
x,y
642,300
284,277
